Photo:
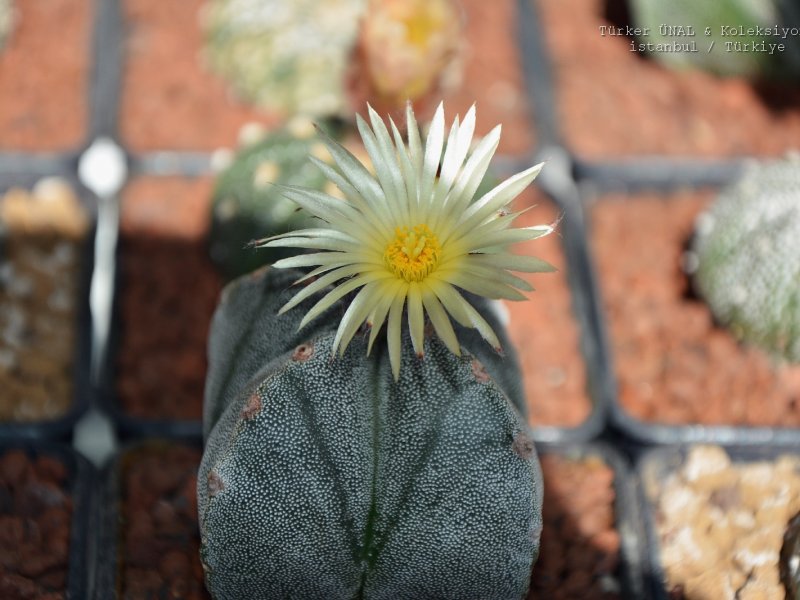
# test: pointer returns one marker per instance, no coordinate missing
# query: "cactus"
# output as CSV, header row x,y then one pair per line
x,y
289,57
714,22
790,559
323,477
246,203
748,257
406,49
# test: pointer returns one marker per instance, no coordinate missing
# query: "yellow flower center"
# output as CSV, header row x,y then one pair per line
x,y
413,254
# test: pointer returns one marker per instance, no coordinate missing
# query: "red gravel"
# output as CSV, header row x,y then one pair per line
x,y
35,516
579,553
545,332
170,100
160,541
168,295
613,102
44,74
674,365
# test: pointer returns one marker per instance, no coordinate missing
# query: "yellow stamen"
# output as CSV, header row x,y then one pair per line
x,y
413,254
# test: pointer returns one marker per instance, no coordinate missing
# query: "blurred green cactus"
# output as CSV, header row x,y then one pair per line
x,y
289,57
7,17
725,23
748,257
246,204
323,477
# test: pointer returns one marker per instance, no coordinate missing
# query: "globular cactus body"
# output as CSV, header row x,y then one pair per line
x,y
323,477
748,257
737,28
246,203
289,57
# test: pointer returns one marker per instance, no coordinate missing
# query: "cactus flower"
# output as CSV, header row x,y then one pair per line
x,y
411,236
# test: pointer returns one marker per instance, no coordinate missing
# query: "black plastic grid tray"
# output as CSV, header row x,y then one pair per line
x,y
645,172
652,432
635,169
626,510
107,91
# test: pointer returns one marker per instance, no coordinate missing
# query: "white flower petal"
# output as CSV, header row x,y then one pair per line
x,y
433,154
502,238
356,173
315,243
461,309
416,319
393,336
332,210
320,284
494,200
441,323
354,316
513,262
409,175
377,221
339,291
383,166
389,290
389,155
414,144
318,258
450,299
484,287
449,167
461,196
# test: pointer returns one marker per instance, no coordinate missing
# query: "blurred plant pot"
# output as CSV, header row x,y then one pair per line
x,y
44,75
616,103
46,256
167,289
44,518
149,541
551,335
679,376
167,87
589,541
716,518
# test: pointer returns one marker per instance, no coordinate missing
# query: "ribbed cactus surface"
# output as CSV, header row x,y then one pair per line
x,y
323,477
748,251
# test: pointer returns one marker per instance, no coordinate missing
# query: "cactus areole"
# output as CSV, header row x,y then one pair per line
x,y
324,477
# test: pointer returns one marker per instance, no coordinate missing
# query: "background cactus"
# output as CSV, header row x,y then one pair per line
x,y
748,251
407,50
246,205
284,56
730,13
324,478
6,20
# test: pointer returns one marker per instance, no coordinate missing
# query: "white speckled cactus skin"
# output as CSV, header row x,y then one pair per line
x,y
748,251
324,478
